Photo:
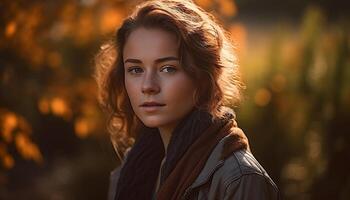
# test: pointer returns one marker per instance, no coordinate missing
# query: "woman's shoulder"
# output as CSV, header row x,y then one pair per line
x,y
238,176
242,162
240,173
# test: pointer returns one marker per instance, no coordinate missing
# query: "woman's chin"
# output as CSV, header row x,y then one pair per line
x,y
151,123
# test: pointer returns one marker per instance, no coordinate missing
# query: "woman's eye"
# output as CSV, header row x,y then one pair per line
x,y
135,70
168,69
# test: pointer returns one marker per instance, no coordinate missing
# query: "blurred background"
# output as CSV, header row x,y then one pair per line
x,y
294,59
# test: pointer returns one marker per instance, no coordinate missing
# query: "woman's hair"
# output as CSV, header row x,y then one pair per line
x,y
205,51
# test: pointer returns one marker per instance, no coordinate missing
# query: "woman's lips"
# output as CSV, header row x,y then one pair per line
x,y
151,106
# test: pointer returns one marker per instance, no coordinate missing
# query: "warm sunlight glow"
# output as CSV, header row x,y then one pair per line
x,y
8,161
58,106
28,149
262,97
10,122
81,128
227,7
110,19
10,29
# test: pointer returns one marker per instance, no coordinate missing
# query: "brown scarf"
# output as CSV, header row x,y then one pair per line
x,y
190,165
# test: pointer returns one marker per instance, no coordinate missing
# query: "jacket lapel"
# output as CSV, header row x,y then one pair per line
x,y
213,163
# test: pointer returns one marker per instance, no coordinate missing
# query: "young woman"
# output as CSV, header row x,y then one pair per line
x,y
165,81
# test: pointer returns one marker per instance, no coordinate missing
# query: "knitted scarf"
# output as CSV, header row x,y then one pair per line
x,y
190,145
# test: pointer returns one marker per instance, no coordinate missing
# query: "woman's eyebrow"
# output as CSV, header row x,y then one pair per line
x,y
131,60
159,60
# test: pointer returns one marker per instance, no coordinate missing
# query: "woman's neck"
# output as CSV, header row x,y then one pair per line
x,y
165,133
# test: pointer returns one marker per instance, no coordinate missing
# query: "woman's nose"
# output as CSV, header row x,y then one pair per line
x,y
150,84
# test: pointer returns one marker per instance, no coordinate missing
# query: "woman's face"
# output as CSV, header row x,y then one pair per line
x,y
160,91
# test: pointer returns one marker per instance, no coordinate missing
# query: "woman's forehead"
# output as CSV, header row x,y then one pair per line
x,y
151,43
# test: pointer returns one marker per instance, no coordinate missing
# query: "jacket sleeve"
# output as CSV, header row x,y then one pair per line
x,y
113,180
251,187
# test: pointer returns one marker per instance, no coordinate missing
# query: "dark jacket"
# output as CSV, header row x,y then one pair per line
x,y
239,176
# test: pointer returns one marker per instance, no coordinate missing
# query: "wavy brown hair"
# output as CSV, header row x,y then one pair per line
x,y
206,54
